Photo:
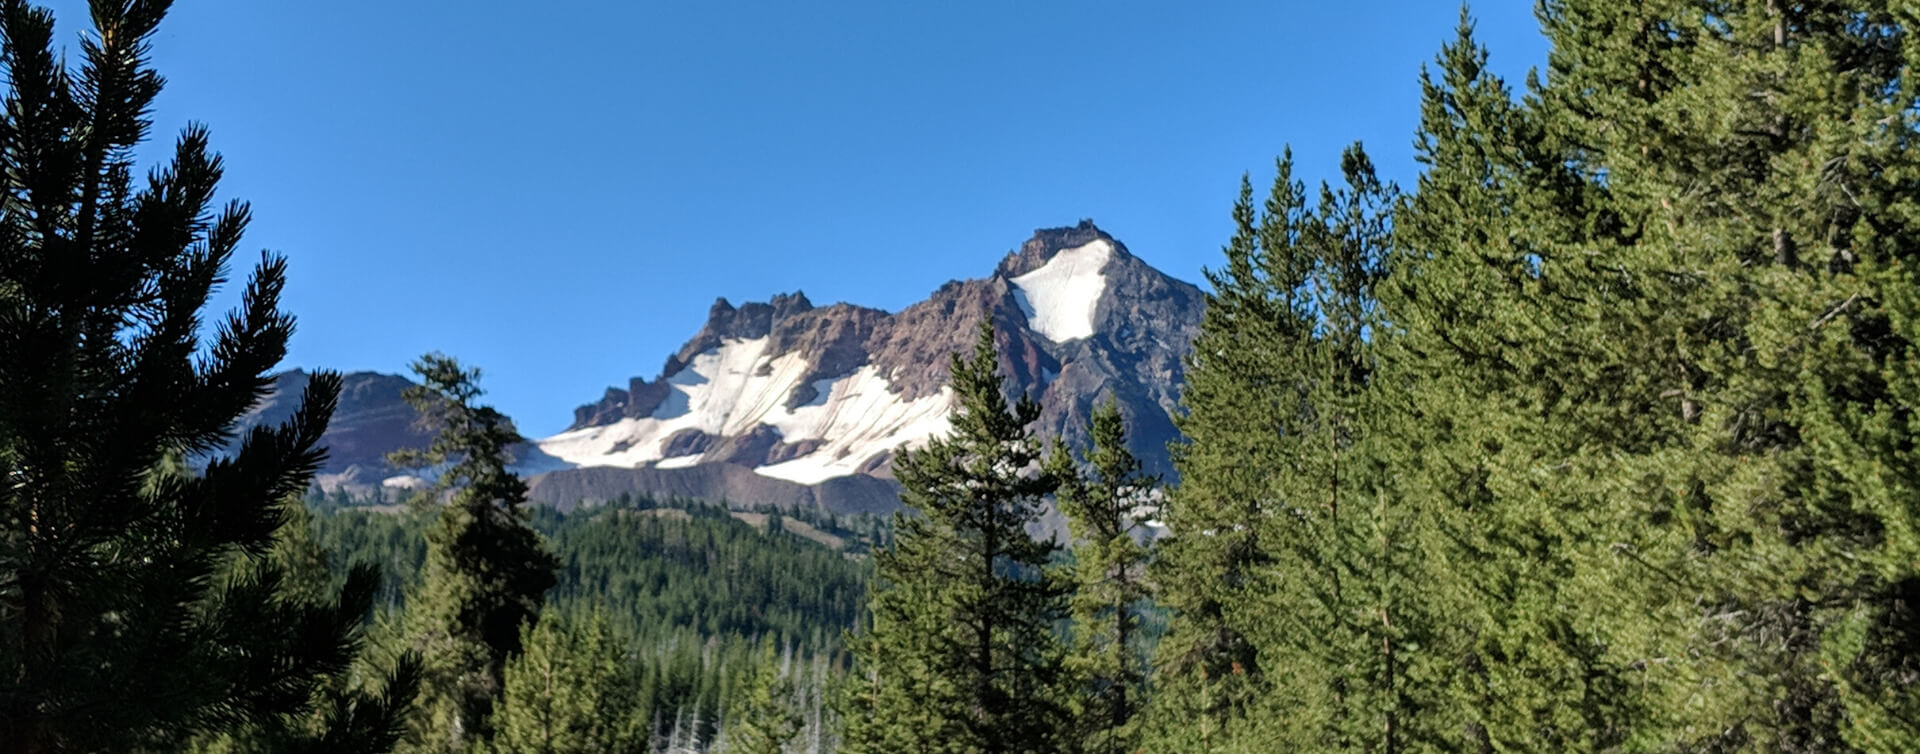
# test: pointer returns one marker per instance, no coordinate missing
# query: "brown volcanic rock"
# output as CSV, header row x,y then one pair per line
x,y
688,442
1046,242
1144,324
831,339
370,420
912,349
1144,327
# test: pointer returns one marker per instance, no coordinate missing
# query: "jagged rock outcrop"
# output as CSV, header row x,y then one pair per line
x,y
788,403
807,394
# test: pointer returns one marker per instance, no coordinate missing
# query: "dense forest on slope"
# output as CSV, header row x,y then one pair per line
x,y
696,594
662,566
1600,437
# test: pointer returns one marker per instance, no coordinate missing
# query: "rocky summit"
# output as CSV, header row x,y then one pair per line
x,y
788,403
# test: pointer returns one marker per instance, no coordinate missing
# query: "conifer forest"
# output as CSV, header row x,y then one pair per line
x,y
1602,435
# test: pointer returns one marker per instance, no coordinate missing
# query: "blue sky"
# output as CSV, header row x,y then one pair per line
x,y
557,191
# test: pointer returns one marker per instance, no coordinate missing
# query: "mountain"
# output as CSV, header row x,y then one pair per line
x,y
371,420
820,397
787,403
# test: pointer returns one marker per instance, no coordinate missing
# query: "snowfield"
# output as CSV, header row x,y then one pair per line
x,y
729,390
1060,297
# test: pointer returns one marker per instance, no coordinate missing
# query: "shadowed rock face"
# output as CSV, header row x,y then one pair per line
x,y
1143,323
371,420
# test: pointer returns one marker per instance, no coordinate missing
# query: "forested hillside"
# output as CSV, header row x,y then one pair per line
x,y
691,598
674,565
1600,436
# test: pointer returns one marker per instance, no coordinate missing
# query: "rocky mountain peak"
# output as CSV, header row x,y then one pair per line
x,y
1047,243
805,393
828,340
753,319
785,402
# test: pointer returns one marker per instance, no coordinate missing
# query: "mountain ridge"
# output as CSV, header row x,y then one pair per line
x,y
789,403
1078,317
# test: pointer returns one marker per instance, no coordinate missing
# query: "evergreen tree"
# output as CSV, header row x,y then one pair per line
x,y
1758,155
487,571
116,631
1524,359
1350,597
1288,533
572,690
1206,671
1110,590
962,655
770,715
348,712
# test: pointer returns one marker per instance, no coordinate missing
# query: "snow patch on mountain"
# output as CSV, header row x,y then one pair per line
x,y
860,417
1060,297
727,391
405,482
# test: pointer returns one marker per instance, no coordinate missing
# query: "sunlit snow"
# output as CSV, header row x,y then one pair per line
x,y
727,391
404,482
1060,297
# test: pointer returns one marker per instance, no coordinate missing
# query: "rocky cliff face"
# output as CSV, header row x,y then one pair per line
x,y
788,403
808,394
371,420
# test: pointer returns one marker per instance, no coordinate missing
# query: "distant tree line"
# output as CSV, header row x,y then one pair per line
x,y
1598,438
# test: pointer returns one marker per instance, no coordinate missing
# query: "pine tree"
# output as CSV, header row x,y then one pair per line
x,y
1206,671
572,690
769,715
1110,590
1350,598
348,712
1527,372
487,570
1759,156
117,632
1288,531
962,655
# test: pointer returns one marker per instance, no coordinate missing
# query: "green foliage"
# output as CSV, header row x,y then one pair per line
x,y
136,608
1759,159
1206,670
1305,589
1514,353
711,576
1599,440
772,712
689,594
571,691
1108,659
962,655
487,571
348,713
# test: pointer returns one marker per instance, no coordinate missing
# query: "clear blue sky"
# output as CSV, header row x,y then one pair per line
x,y
557,191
